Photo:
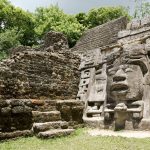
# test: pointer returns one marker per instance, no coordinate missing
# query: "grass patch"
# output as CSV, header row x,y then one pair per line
x,y
80,140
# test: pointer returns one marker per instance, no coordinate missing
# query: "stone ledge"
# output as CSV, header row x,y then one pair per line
x,y
69,102
39,127
55,133
46,116
15,134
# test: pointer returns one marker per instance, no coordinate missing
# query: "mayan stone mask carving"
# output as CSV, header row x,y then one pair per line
x,y
118,88
116,85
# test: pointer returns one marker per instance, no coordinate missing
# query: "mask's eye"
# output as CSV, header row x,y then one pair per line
x,y
128,70
111,72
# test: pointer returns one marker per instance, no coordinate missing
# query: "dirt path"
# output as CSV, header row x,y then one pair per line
x,y
125,133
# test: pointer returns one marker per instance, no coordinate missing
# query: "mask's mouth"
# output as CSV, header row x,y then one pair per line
x,y
118,87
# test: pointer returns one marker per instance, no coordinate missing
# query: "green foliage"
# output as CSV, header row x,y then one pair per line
x,y
13,17
8,39
33,26
101,15
83,19
53,18
3,55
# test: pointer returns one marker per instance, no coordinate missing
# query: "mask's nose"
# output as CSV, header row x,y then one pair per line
x,y
119,76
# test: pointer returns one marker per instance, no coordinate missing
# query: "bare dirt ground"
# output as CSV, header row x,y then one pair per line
x,y
124,133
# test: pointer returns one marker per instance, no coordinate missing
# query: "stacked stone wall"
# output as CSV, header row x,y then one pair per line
x,y
137,29
43,73
99,36
17,114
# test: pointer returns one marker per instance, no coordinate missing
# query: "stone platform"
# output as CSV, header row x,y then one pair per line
x,y
99,123
124,133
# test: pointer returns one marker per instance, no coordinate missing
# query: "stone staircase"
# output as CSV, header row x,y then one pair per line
x,y
46,116
55,133
43,118
49,125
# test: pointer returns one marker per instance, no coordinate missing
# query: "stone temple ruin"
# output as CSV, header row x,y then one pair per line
x,y
114,80
103,82
38,88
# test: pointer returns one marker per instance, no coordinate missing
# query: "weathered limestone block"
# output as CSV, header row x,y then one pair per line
x,y
55,41
21,109
55,133
40,127
135,24
71,110
15,114
145,21
45,116
43,105
15,134
37,102
5,111
3,103
125,33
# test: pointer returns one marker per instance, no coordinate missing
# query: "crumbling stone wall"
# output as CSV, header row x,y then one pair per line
x,y
102,35
71,111
55,41
32,80
15,115
42,73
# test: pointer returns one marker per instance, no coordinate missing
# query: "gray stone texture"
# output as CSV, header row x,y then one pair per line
x,y
99,36
71,111
40,127
46,116
15,134
55,133
16,114
114,80
55,41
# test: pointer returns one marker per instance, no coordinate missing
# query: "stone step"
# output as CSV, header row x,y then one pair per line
x,y
39,127
40,117
44,105
15,134
55,133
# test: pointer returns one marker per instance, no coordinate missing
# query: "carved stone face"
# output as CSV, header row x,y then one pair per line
x,y
125,82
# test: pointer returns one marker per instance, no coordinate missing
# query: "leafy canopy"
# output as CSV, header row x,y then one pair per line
x,y
101,15
28,28
53,18
14,17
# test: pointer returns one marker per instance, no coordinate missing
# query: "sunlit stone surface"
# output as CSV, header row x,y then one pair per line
x,y
115,80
